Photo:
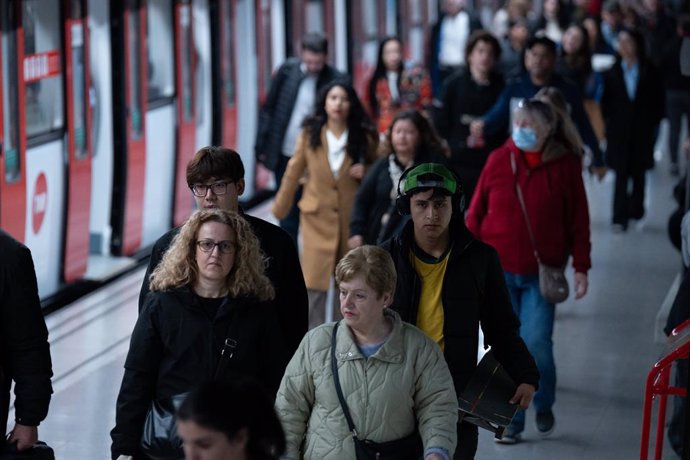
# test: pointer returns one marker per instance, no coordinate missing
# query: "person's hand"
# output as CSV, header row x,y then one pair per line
x,y
600,172
124,457
581,285
25,436
434,456
477,128
523,395
355,241
357,171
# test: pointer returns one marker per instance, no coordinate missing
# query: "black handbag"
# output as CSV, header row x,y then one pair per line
x,y
159,440
39,451
408,448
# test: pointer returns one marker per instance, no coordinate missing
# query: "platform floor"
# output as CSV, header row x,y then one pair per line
x,y
604,345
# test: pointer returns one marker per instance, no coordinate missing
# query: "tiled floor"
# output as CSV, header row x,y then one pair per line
x,y
604,347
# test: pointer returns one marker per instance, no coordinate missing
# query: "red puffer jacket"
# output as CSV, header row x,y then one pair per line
x,y
557,207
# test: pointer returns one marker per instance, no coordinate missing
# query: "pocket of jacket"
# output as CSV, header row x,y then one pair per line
x,y
308,205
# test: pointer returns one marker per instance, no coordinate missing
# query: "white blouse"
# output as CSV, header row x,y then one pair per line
x,y
336,150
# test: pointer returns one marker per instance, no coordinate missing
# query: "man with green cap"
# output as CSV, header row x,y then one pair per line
x,y
450,284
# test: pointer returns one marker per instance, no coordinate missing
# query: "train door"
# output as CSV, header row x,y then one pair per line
x,y
368,24
186,101
414,17
129,71
42,126
224,63
166,131
12,164
79,149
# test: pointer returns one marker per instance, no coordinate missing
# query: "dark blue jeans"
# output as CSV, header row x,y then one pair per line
x,y
536,317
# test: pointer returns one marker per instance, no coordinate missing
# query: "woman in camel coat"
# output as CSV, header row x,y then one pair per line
x,y
333,151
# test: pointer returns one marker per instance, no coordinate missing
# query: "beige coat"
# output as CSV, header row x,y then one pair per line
x,y
406,382
325,207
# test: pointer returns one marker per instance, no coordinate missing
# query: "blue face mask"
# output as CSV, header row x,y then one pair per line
x,y
524,138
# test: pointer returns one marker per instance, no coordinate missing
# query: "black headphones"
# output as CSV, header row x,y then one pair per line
x,y
402,201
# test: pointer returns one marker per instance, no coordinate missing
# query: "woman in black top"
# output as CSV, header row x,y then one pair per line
x,y
209,287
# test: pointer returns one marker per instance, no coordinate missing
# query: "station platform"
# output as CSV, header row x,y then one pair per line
x,y
604,344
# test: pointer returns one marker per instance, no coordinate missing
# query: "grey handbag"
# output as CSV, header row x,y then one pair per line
x,y
553,284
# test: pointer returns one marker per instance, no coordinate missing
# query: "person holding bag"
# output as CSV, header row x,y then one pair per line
x,y
531,207
369,386
209,315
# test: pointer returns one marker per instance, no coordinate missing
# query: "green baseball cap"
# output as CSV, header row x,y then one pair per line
x,y
444,179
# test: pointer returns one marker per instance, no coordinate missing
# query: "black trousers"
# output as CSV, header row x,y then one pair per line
x,y
468,437
677,105
628,204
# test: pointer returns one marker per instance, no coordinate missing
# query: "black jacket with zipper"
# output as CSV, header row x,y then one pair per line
x,y
474,293
175,347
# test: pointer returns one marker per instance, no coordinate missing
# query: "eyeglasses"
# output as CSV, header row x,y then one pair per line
x,y
226,246
218,188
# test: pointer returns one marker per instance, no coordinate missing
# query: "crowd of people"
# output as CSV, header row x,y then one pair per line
x,y
435,205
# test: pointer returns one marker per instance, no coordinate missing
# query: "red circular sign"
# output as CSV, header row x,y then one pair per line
x,y
39,202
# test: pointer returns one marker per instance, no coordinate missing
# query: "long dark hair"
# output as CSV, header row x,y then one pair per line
x,y
380,72
581,60
640,44
359,125
429,142
235,406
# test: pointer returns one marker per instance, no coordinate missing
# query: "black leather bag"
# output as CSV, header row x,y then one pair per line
x,y
40,451
410,447
159,440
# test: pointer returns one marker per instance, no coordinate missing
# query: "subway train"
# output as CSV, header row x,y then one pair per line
x,y
104,103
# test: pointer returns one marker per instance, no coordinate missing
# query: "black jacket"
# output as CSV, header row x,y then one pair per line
x,y
24,349
284,271
175,346
373,200
474,293
275,113
631,124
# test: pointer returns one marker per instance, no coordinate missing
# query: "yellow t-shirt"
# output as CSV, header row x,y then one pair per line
x,y
430,312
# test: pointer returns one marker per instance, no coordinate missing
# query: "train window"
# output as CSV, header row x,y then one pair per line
x,y
370,19
391,17
134,69
228,58
79,91
264,47
42,67
161,60
10,91
314,16
186,62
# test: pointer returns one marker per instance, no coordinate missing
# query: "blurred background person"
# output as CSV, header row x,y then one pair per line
x,y
410,140
596,40
513,11
448,40
513,48
395,86
553,20
230,421
336,146
467,95
393,377
611,22
547,166
632,105
24,349
289,101
212,281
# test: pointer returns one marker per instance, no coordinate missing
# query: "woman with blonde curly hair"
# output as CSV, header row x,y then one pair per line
x,y
209,315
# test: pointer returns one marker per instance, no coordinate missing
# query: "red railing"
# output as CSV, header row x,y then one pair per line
x,y
658,385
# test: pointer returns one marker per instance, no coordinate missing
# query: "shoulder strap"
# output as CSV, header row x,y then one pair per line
x,y
336,379
229,345
521,199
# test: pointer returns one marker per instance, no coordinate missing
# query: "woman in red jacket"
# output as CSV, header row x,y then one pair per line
x,y
545,161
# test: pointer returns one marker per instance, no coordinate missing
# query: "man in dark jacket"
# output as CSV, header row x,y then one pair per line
x,y
290,99
216,178
540,62
24,349
450,283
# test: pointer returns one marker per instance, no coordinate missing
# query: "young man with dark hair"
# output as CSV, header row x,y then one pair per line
x,y
216,178
450,284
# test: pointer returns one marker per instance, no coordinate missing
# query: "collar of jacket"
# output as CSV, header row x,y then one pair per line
x,y
391,352
190,300
460,237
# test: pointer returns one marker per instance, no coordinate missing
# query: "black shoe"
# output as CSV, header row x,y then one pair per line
x,y
545,423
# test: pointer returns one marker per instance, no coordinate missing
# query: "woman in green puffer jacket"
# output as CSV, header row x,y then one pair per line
x,y
393,377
